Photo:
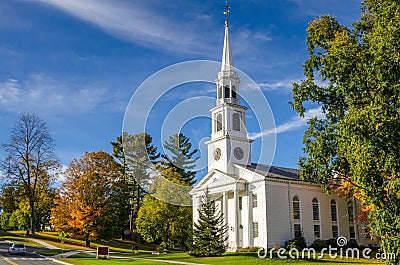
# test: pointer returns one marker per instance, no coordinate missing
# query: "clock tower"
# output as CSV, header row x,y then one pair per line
x,y
229,143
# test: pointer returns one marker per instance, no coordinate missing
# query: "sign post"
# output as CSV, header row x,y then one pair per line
x,y
62,237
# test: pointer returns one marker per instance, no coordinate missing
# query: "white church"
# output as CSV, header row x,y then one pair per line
x,y
262,205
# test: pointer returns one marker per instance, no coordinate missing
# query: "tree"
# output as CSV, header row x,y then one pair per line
x,y
15,206
136,155
88,204
30,158
356,142
181,158
209,233
160,221
161,216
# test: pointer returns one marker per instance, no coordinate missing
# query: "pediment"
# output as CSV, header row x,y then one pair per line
x,y
216,178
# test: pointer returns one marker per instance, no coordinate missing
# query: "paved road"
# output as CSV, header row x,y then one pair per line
x,y
29,259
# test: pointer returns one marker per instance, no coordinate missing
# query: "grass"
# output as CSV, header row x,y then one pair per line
x,y
50,252
70,243
17,239
228,258
124,250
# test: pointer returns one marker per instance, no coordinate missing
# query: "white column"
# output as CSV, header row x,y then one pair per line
x,y
225,213
236,216
250,219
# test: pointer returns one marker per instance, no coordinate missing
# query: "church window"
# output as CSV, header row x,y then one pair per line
x,y
315,208
236,121
350,212
255,200
333,211
227,92
335,231
296,208
255,229
297,230
317,232
219,122
219,92
352,232
233,92
240,203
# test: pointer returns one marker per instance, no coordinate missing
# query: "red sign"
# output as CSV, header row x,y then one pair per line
x,y
102,251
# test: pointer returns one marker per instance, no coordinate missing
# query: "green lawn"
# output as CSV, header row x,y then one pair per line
x,y
229,258
70,243
17,239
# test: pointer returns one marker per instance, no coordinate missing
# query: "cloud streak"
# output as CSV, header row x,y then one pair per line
x,y
43,93
138,22
293,124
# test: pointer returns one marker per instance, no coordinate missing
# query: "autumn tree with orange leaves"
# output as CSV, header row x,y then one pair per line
x,y
91,198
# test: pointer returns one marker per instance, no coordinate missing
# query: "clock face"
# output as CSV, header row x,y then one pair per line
x,y
217,154
238,152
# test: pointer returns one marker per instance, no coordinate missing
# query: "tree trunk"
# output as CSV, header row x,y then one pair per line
x,y
32,216
87,240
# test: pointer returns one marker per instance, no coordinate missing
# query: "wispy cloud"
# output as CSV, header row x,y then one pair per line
x,y
293,124
284,85
43,93
140,21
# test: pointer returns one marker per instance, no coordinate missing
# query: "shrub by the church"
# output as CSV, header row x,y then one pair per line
x,y
297,243
209,233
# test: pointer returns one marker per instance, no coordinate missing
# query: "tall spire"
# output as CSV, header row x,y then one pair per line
x,y
227,64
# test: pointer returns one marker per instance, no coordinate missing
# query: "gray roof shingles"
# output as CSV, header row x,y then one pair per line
x,y
274,171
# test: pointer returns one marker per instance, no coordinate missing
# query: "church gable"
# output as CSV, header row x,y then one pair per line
x,y
216,178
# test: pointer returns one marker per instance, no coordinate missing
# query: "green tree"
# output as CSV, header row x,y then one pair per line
x,y
161,217
169,224
136,155
209,233
15,204
180,158
357,140
29,158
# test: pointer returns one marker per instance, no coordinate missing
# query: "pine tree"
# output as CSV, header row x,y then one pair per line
x,y
181,158
136,155
209,234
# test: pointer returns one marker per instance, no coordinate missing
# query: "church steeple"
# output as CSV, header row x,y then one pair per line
x,y
227,64
228,80
229,144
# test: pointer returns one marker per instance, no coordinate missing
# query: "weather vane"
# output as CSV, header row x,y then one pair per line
x,y
226,12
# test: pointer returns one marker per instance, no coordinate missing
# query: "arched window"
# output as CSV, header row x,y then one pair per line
x,y
219,92
236,121
315,209
219,122
333,211
350,211
296,208
227,92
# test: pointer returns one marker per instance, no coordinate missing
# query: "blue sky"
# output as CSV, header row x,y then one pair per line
x,y
77,63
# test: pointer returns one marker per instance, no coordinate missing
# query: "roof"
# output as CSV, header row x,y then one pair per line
x,y
274,171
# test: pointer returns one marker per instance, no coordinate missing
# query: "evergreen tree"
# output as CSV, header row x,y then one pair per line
x,y
209,234
135,155
181,158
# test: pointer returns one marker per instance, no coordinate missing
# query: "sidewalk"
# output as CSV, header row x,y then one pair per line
x,y
66,254
40,242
